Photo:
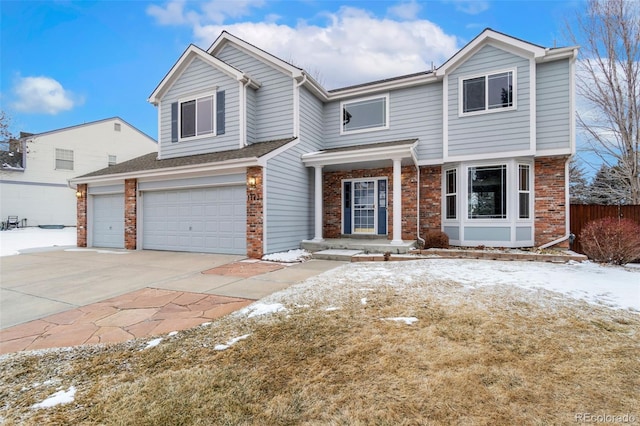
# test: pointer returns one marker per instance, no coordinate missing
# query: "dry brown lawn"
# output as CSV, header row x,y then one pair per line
x,y
486,356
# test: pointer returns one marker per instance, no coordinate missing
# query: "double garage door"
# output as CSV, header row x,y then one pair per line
x,y
206,220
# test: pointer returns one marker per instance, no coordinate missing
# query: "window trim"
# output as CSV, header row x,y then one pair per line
x,y
447,172
369,129
528,191
506,202
487,110
195,98
55,164
109,158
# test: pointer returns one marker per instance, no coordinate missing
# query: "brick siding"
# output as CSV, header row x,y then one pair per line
x,y
550,201
81,216
130,214
332,199
430,199
255,213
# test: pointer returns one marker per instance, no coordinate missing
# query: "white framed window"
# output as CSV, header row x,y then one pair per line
x,y
117,127
196,116
524,191
364,114
488,93
112,160
64,159
487,192
451,194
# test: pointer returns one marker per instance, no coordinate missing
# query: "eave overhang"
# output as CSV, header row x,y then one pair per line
x,y
362,153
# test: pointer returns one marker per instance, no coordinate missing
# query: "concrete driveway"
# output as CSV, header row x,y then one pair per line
x,y
39,283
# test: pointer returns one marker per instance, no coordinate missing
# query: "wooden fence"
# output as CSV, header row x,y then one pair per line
x,y
581,214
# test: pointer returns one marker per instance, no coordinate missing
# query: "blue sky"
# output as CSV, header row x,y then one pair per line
x,y
68,62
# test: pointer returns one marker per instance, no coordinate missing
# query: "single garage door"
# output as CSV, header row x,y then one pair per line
x,y
206,220
108,221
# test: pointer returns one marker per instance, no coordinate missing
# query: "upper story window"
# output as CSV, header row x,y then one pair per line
x,y
112,160
488,92
64,159
196,117
365,114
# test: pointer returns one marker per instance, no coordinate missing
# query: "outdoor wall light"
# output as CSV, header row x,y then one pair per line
x,y
252,182
79,194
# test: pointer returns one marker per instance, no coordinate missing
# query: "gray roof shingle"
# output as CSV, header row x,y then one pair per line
x,y
151,162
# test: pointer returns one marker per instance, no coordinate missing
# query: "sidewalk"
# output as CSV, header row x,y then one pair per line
x,y
59,298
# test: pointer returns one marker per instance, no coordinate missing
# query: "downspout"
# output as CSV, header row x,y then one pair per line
x,y
415,162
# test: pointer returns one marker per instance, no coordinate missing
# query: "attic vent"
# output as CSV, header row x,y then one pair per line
x,y
116,127
112,160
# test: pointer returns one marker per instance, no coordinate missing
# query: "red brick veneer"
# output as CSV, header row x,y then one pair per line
x,y
81,216
550,200
130,214
332,199
430,199
255,213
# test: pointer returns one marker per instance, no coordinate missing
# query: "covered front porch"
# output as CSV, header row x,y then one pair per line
x,y
365,197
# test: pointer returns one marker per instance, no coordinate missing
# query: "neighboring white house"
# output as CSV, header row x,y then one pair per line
x,y
34,173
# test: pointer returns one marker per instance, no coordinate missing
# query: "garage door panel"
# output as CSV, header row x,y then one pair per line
x,y
108,221
211,220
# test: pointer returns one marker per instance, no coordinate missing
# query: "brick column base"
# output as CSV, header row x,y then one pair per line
x,y
130,214
81,216
255,212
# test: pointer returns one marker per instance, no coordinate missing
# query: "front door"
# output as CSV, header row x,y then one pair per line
x,y
365,206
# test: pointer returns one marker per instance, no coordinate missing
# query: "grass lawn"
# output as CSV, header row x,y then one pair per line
x,y
375,351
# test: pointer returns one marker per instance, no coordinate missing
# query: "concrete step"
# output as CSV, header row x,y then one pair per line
x,y
363,245
336,254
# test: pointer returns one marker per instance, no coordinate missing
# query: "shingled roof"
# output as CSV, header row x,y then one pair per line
x,y
151,162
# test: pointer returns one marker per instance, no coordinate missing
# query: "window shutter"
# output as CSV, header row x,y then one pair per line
x,y
220,113
174,122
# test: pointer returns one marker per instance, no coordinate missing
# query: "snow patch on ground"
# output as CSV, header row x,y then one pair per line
x,y
13,240
152,343
60,397
230,343
290,256
259,309
406,320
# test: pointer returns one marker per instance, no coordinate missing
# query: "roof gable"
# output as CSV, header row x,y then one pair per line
x,y
183,62
496,39
225,38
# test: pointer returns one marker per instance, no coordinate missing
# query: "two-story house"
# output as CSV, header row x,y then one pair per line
x,y
34,173
256,157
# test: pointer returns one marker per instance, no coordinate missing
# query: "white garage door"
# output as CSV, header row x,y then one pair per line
x,y
207,220
108,221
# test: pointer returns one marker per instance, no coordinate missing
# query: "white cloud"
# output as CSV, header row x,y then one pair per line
x,y
216,11
337,54
471,7
42,95
406,10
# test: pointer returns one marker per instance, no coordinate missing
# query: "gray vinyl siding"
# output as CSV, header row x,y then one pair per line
x,y
232,179
290,183
200,77
106,189
288,201
494,132
311,112
273,116
553,112
414,112
251,115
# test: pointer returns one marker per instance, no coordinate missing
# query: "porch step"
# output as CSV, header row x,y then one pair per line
x,y
366,246
336,254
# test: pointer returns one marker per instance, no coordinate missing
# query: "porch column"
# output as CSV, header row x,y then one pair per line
x,y
317,205
397,202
